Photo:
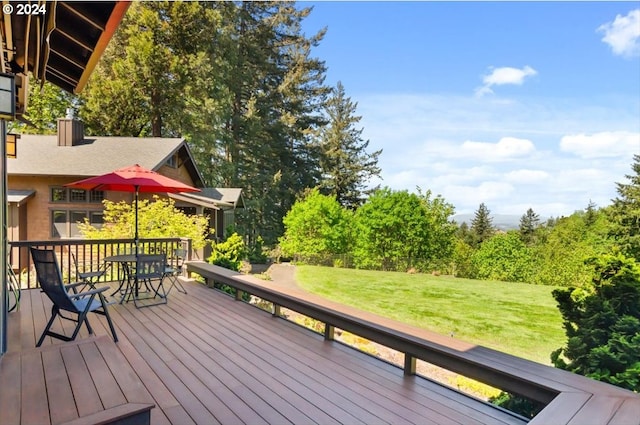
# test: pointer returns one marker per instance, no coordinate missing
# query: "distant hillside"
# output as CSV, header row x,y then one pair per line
x,y
500,221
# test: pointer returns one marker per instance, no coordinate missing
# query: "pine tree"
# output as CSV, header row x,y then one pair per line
x,y
625,213
529,222
590,213
482,225
346,165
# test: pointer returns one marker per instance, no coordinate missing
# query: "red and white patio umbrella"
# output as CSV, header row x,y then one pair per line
x,y
133,179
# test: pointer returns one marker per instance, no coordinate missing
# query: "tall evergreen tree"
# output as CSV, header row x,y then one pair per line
x,y
482,225
346,165
236,79
625,213
277,91
590,213
529,222
140,86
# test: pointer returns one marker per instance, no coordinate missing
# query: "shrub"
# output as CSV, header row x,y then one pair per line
x,y
230,253
602,323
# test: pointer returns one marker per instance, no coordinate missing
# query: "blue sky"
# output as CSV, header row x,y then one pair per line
x,y
514,104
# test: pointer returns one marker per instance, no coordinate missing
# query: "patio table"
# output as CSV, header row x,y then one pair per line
x,y
126,263
132,278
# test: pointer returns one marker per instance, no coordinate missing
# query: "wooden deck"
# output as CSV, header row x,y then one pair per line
x,y
206,359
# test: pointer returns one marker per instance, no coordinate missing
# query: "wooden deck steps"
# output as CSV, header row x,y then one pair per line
x,y
85,381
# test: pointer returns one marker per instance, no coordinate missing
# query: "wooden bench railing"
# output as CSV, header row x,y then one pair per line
x,y
569,398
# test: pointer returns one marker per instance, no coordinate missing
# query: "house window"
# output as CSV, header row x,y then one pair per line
x,y
75,218
59,228
96,219
63,194
96,196
173,161
58,194
64,224
78,195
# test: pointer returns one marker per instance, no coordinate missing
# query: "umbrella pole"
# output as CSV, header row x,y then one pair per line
x,y
136,228
136,238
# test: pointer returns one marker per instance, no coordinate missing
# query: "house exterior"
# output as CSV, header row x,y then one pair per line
x,y
40,207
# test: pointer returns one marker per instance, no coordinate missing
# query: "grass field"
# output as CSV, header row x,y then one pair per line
x,y
516,318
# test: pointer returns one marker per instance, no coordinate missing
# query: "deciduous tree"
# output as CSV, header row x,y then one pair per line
x,y
316,228
46,104
156,219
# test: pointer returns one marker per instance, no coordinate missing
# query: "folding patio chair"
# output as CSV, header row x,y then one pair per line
x,y
78,303
150,271
174,269
89,273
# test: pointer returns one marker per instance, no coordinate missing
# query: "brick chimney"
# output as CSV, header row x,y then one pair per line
x,y
70,130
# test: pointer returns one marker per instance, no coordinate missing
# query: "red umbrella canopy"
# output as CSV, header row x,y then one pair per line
x,y
133,179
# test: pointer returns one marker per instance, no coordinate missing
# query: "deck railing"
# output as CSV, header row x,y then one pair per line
x,y
88,254
569,398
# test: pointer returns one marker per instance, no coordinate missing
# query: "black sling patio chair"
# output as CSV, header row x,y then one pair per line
x,y
78,303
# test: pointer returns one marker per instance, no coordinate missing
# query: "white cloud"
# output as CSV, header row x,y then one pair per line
x,y
486,191
506,148
606,144
504,75
623,34
525,176
422,137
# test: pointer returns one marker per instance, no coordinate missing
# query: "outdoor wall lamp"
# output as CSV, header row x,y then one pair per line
x,y
7,96
12,146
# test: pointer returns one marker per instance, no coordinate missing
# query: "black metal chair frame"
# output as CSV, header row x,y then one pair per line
x,y
78,303
172,271
91,276
149,269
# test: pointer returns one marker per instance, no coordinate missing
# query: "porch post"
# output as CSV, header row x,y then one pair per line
x,y
3,235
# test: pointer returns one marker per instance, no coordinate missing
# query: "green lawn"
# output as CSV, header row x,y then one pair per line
x,y
516,318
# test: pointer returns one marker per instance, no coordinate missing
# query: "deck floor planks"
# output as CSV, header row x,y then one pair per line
x,y
275,383
204,344
247,386
192,405
36,410
381,389
228,386
10,406
214,389
87,397
349,356
160,394
184,375
331,389
109,392
56,377
464,420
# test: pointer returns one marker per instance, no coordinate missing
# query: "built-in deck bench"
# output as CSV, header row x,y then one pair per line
x,y
569,398
87,381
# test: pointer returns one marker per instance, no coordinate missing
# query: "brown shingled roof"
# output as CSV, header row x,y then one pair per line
x,y
41,155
